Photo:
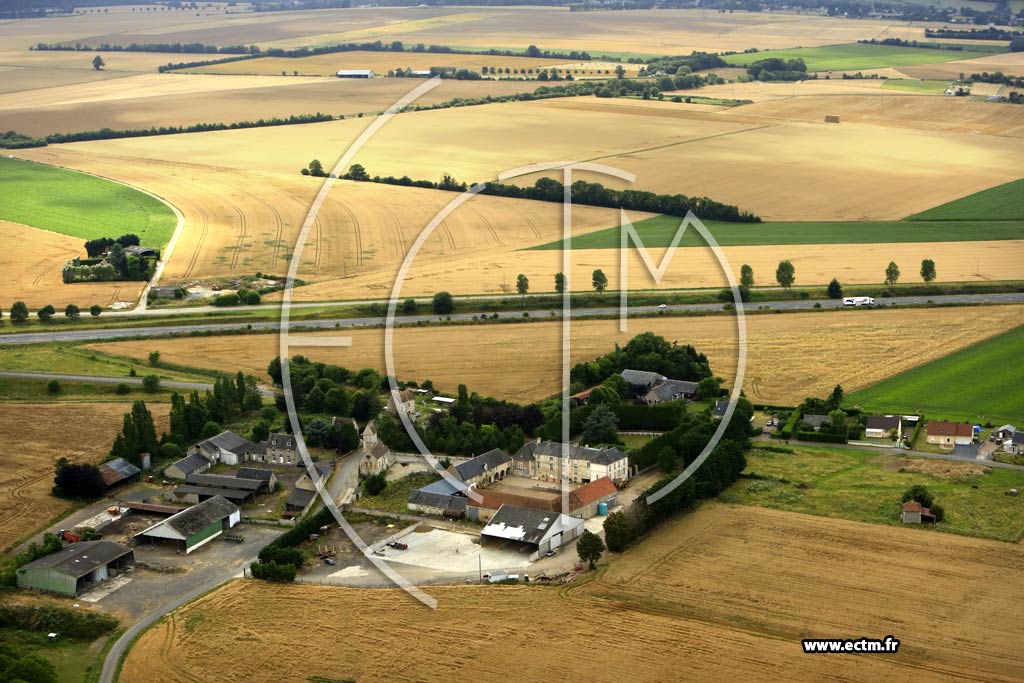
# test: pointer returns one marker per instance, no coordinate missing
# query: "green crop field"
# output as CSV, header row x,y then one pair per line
x,y
660,230
983,382
80,205
918,86
1000,203
857,56
866,487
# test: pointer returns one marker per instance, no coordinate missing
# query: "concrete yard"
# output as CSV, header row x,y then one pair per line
x,y
452,552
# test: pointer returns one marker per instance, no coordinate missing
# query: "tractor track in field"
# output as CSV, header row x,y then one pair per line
x,y
488,226
243,227
194,258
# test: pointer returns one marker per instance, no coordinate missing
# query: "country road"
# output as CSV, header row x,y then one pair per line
x,y
137,381
377,321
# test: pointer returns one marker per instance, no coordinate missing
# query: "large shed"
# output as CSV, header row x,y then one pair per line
x,y
530,530
195,526
71,570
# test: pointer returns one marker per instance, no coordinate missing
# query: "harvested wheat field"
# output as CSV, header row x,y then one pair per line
x,y
35,437
686,604
1010,63
789,356
382,62
181,100
30,271
810,171
929,113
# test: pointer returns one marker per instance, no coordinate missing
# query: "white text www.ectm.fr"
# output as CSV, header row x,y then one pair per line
x,y
827,645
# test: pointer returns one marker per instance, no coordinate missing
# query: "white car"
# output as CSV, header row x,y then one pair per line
x,y
662,307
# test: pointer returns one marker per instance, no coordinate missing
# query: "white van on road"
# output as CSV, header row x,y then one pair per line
x,y
858,301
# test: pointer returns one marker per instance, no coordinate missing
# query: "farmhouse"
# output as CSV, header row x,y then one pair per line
x,y
484,469
543,460
530,530
406,401
117,472
282,450
669,390
195,526
814,421
71,571
880,426
376,459
227,447
915,513
949,434
641,379
355,73
194,463
1015,444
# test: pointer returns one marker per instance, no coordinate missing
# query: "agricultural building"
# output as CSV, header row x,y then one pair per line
x,y
73,569
118,471
915,513
484,469
268,477
530,530
194,463
355,73
227,447
195,526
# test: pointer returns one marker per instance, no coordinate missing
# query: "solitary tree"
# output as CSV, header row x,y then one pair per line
x,y
835,399
523,286
151,383
72,311
95,310
154,358
892,273
590,547
560,282
19,312
927,270
98,63
785,274
601,426
620,72
46,313
443,303
746,275
835,290
600,281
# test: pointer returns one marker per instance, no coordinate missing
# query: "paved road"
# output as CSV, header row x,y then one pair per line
x,y
377,321
137,381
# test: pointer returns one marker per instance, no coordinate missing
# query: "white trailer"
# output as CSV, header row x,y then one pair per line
x,y
858,301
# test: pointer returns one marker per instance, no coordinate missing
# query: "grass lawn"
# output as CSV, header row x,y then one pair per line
x,y
982,382
80,205
73,659
634,441
36,391
72,359
660,230
920,86
1000,203
857,56
395,497
866,487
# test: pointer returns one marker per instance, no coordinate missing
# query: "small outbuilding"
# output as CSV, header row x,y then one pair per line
x,y
118,471
196,526
72,570
915,513
194,463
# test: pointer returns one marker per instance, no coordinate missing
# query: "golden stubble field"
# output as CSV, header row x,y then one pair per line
x,y
381,62
722,594
789,356
176,99
806,169
30,271
35,437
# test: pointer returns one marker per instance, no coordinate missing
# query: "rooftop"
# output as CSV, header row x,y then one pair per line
x,y
227,441
940,428
601,456
191,463
78,559
230,494
477,466
117,470
224,481
641,377
527,525
196,518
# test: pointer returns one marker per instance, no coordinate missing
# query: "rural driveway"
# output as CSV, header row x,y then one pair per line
x,y
378,321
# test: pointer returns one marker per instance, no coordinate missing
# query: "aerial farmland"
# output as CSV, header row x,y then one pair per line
x,y
594,340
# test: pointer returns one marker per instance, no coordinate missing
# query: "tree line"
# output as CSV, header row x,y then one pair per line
x,y
20,312
583,192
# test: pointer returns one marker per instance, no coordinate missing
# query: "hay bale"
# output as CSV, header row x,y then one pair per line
x,y
831,118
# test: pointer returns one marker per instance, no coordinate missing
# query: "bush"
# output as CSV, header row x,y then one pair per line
x,y
95,310
46,313
375,484
253,298
78,624
122,388
171,451
271,571
151,383
230,299
443,303
53,386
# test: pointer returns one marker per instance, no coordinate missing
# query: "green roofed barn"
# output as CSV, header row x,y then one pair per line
x,y
75,568
195,526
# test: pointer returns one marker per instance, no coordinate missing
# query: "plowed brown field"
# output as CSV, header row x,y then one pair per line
x,y
789,356
35,437
723,594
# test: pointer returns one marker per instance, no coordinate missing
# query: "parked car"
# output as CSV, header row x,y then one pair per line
x,y
550,553
991,437
398,545
329,561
